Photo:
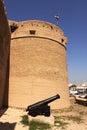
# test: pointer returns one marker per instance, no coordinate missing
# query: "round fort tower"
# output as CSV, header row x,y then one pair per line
x,y
38,65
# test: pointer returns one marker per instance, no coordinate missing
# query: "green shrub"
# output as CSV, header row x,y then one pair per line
x,y
34,125
24,120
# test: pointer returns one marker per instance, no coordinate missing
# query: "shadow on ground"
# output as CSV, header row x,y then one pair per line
x,y
2,111
7,126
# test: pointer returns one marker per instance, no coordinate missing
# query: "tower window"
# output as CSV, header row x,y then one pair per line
x,y
13,27
62,40
32,32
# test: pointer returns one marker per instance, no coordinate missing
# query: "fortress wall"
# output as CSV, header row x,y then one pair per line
x,y
38,66
4,55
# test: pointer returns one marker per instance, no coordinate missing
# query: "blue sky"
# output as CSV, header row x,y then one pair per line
x,y
73,21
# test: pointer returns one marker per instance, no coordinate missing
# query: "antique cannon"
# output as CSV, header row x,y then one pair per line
x,y
41,108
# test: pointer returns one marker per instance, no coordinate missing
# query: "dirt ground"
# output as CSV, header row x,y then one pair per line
x,y
74,118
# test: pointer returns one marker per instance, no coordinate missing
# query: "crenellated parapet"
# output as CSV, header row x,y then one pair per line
x,y
37,28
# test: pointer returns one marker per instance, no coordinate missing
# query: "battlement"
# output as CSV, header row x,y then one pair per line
x,y
37,28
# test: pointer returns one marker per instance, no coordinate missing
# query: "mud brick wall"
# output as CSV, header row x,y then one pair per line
x,y
4,55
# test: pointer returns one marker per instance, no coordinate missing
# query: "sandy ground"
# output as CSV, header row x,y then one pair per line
x,y
75,118
10,118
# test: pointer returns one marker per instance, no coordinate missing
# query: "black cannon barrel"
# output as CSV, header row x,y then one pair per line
x,y
43,102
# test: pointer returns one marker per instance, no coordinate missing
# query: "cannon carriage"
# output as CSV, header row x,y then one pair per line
x,y
41,107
